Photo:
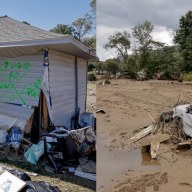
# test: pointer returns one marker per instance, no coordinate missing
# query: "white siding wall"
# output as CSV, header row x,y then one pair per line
x,y
82,84
62,88
20,79
20,83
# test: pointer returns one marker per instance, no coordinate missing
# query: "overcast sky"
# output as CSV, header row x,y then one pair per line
x,y
119,15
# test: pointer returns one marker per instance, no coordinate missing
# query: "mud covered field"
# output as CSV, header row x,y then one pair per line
x,y
121,166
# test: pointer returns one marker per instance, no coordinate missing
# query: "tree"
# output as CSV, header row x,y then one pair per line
x,y
121,42
82,27
183,37
91,67
142,33
111,66
63,29
93,6
100,67
90,42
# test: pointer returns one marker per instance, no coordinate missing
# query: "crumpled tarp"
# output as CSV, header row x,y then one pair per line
x,y
35,152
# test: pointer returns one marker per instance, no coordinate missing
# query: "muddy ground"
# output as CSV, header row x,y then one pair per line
x,y
121,166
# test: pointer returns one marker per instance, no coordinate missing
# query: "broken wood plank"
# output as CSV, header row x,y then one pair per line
x,y
186,142
151,118
142,134
161,137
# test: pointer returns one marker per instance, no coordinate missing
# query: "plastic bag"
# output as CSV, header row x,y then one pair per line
x,y
35,152
21,175
39,186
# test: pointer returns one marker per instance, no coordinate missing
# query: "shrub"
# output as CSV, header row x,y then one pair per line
x,y
92,77
187,77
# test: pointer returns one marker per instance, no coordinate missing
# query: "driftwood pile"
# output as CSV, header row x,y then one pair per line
x,y
163,128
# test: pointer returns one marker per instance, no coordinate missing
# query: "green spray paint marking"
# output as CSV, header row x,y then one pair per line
x,y
12,78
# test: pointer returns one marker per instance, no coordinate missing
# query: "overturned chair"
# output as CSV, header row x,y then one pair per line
x,y
60,149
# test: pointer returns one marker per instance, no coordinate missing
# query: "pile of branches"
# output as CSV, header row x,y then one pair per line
x,y
165,123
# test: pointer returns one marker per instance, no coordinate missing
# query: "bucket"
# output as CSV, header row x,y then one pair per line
x,y
87,119
15,137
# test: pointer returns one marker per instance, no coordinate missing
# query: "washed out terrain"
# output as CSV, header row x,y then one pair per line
x,y
121,166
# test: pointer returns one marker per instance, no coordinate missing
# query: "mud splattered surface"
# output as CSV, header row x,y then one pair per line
x,y
121,166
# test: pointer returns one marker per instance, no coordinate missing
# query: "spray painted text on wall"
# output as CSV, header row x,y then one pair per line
x,y
16,82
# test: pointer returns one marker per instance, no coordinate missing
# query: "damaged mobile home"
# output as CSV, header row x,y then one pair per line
x,y
43,76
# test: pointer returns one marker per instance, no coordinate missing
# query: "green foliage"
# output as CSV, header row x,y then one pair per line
x,y
82,27
142,33
111,66
63,29
91,67
183,37
92,76
93,5
187,77
100,67
93,9
90,42
121,42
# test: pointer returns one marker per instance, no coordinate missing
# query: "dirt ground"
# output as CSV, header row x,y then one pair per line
x,y
121,166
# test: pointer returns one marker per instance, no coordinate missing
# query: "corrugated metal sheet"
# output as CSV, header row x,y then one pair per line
x,y
20,79
82,81
62,88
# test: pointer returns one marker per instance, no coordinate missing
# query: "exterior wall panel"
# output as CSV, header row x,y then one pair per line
x,y
82,84
62,88
20,79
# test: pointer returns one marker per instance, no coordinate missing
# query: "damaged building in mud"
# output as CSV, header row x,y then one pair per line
x,y
43,77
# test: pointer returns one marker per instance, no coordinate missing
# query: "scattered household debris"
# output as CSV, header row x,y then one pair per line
x,y
62,148
10,183
86,169
141,76
173,126
15,180
104,82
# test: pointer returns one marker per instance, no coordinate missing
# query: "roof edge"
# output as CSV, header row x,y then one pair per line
x,y
44,42
3,16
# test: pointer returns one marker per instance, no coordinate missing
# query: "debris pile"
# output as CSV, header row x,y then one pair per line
x,y
173,126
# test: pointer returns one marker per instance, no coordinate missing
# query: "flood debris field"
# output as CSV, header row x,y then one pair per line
x,y
68,182
127,105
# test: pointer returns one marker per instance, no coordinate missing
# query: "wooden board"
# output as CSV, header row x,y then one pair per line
x,y
142,134
161,137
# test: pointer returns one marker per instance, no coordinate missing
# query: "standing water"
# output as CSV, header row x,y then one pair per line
x,y
112,164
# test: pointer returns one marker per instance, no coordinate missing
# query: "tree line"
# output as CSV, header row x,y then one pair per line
x,y
153,57
81,27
